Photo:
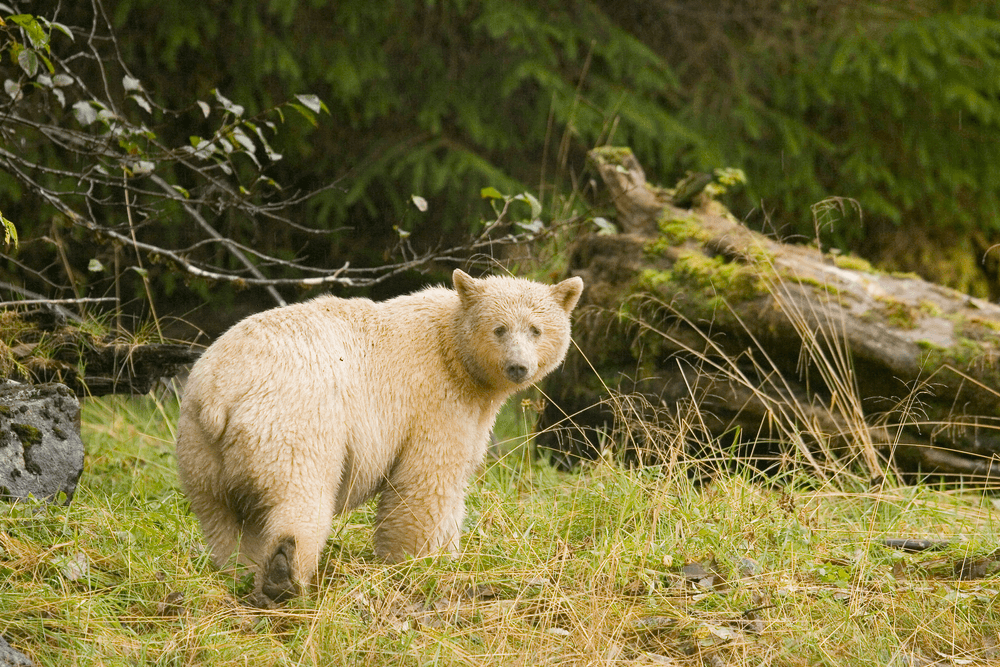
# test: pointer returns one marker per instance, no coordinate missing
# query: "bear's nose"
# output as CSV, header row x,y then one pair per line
x,y
516,372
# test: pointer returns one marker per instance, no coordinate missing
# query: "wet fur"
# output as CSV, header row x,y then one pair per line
x,y
301,412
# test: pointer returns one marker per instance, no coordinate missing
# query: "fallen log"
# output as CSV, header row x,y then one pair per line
x,y
39,345
695,331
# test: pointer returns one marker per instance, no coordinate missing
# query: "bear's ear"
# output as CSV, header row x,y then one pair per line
x,y
464,284
568,292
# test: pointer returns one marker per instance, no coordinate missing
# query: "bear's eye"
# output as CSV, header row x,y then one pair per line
x,y
500,331
535,331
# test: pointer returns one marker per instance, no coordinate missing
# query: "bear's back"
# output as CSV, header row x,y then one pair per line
x,y
299,337
316,355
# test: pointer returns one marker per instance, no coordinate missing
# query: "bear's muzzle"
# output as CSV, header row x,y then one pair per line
x,y
516,373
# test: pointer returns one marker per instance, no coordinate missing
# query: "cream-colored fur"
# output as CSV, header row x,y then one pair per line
x,y
303,411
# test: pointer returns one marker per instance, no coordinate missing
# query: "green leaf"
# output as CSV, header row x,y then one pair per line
x,y
271,154
64,29
235,109
534,226
28,60
84,112
143,167
490,192
142,102
312,102
129,147
306,113
13,89
9,231
531,200
48,63
95,265
36,33
605,227
202,148
240,137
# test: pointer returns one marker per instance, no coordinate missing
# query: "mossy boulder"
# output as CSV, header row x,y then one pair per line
x,y
41,453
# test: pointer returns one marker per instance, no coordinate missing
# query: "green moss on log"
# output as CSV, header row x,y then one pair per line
x,y
966,356
979,329
930,308
705,284
818,285
614,155
898,314
675,231
852,263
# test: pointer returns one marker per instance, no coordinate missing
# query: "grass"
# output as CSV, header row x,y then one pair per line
x,y
605,566
688,564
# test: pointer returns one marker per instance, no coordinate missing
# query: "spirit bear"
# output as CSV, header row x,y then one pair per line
x,y
303,411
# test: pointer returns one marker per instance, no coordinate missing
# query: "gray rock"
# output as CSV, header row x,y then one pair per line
x,y
11,657
41,453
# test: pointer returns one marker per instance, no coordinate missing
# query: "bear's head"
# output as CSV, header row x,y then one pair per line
x,y
513,332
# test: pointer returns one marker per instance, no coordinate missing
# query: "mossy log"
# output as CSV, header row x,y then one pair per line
x,y
694,328
40,345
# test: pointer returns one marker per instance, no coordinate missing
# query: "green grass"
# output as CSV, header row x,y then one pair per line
x,y
558,569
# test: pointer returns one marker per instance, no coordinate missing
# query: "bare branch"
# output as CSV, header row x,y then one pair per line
x,y
196,216
57,302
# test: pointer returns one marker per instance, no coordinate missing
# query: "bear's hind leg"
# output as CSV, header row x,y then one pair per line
x,y
295,535
220,526
201,474
277,574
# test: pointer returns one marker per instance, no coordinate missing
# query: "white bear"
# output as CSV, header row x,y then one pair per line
x,y
306,410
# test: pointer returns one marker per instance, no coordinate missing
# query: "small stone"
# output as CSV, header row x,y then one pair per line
x,y
74,567
11,657
172,605
483,592
750,567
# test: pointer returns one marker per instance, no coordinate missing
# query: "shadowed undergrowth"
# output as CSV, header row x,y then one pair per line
x,y
605,566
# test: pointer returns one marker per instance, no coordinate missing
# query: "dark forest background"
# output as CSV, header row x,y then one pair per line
x,y
894,105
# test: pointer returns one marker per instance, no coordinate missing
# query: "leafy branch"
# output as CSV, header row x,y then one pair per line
x,y
82,134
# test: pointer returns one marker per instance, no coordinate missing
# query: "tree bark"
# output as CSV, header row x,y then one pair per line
x,y
696,331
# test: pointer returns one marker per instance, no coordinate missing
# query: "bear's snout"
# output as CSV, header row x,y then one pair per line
x,y
516,373
519,356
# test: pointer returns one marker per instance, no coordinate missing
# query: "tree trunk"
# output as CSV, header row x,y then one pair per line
x,y
695,330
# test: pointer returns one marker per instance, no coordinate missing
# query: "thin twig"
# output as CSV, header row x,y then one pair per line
x,y
142,269
57,302
228,243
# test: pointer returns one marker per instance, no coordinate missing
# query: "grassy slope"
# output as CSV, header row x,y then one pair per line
x,y
559,569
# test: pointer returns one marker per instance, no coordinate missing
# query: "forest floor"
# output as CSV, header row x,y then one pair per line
x,y
603,566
